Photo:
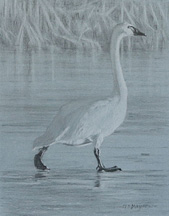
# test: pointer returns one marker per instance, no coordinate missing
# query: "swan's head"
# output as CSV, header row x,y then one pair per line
x,y
130,30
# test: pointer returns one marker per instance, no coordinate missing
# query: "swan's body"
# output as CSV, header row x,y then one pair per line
x,y
84,122
90,122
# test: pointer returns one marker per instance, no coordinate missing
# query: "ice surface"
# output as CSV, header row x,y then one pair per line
x,y
32,88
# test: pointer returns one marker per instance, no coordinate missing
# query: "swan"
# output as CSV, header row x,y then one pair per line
x,y
90,122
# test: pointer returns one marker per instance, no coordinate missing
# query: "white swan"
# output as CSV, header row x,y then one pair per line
x,y
89,122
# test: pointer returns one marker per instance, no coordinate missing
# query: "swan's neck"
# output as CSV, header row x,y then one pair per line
x,y
120,87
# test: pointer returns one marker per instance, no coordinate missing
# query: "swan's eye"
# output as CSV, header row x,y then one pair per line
x,y
132,28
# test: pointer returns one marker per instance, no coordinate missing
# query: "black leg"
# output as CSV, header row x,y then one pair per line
x,y
37,159
100,166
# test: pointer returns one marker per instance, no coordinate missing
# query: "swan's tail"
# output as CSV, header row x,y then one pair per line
x,y
48,139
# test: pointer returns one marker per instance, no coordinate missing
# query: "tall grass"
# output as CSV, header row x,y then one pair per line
x,y
81,23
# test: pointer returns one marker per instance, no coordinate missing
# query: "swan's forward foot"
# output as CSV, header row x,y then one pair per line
x,y
101,168
37,159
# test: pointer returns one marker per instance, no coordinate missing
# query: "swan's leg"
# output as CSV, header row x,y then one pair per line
x,y
97,141
37,159
100,166
97,155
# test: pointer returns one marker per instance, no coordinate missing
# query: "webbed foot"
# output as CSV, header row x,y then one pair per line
x,y
37,159
101,168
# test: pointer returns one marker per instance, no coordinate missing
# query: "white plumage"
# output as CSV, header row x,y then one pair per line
x,y
81,123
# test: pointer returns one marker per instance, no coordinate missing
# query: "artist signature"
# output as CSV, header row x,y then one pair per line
x,y
137,206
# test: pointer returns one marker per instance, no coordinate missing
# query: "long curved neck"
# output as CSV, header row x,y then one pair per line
x,y
120,87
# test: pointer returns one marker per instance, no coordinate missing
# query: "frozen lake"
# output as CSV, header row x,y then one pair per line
x,y
33,85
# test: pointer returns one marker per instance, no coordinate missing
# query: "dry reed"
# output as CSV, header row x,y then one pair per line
x,y
81,23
